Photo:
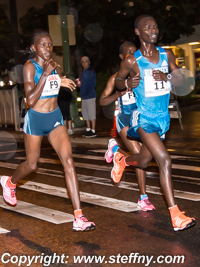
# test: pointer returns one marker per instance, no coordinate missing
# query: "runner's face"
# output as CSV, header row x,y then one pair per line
x,y
128,50
43,47
148,30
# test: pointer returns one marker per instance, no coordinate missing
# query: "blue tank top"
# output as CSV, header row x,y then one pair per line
x,y
52,84
152,96
127,103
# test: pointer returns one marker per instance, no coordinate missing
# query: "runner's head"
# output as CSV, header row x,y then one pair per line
x,y
42,44
126,49
146,28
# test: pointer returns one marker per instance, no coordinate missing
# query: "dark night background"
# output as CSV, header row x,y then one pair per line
x,y
113,23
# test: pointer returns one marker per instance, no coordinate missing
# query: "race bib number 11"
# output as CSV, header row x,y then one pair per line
x,y
156,88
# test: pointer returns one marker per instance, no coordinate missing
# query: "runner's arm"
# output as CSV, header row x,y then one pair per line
x,y
128,67
160,76
107,97
33,91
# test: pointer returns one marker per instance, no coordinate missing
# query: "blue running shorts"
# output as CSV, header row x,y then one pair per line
x,y
122,120
150,123
37,123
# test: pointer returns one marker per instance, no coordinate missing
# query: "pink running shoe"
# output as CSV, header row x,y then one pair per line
x,y
82,224
145,204
8,192
109,153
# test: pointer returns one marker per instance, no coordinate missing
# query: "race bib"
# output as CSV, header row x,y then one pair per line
x,y
128,98
52,85
156,88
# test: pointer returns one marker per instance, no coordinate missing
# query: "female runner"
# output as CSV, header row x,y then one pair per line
x,y
42,84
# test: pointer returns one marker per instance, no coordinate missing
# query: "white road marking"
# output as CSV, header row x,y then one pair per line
x,y
42,213
3,231
89,166
186,167
84,156
134,186
125,185
94,199
174,177
98,167
179,157
98,150
77,164
17,151
185,158
21,150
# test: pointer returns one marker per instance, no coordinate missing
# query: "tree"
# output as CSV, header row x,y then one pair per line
x,y
36,19
6,51
14,31
116,19
174,17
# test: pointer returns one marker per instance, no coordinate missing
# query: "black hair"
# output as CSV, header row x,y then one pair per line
x,y
38,32
126,43
139,18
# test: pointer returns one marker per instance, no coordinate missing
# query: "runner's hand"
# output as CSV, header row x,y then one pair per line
x,y
49,66
65,82
159,75
134,82
120,93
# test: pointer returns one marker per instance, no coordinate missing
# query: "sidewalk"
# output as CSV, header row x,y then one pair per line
x,y
186,141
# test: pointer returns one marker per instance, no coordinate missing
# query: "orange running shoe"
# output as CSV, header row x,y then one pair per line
x,y
181,222
117,170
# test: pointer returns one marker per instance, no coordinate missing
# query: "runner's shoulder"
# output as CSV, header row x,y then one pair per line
x,y
169,52
129,61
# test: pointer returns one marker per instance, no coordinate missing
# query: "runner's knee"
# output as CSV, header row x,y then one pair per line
x,y
67,163
164,160
32,166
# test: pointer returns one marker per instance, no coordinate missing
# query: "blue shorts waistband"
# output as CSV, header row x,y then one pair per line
x,y
47,113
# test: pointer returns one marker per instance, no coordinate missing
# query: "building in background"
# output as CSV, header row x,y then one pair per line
x,y
187,51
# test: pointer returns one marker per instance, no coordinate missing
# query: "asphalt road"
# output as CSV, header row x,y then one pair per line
x,y
38,231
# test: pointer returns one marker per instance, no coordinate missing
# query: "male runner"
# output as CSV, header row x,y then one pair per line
x,y
151,120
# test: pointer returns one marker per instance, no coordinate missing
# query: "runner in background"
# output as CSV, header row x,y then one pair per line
x,y
126,100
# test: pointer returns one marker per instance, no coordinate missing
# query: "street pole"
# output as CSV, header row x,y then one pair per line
x,y
66,63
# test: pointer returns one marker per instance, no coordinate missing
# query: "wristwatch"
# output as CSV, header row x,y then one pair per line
x,y
169,76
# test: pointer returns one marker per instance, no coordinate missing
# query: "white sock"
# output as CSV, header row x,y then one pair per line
x,y
93,131
87,129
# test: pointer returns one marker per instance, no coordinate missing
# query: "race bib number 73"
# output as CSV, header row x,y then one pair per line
x,y
156,88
